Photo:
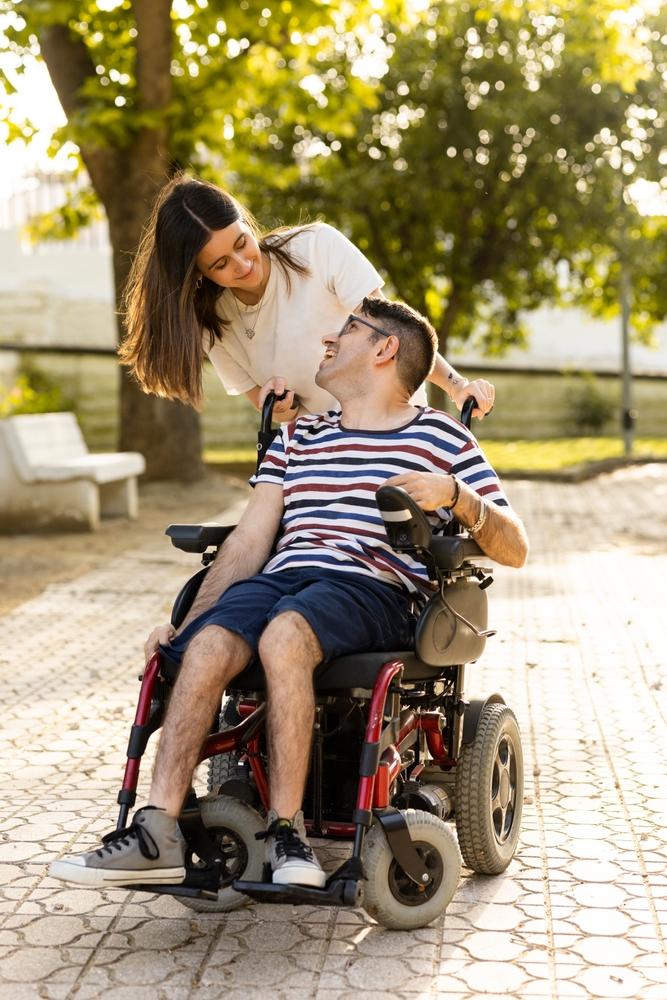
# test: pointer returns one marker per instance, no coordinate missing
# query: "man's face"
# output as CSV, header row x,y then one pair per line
x,y
349,353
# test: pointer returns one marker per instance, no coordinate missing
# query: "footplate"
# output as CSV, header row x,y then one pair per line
x,y
343,892
199,883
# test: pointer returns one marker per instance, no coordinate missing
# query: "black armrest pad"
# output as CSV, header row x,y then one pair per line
x,y
451,551
198,537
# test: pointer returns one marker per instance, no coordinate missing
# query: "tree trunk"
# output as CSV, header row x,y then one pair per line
x,y
127,182
448,319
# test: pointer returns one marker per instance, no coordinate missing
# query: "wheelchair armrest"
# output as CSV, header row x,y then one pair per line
x,y
198,537
451,551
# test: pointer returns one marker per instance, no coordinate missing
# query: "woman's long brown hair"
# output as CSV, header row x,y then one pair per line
x,y
166,315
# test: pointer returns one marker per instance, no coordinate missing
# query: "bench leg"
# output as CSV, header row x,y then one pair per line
x,y
120,499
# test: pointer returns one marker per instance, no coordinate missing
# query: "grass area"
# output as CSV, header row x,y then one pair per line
x,y
556,453
235,456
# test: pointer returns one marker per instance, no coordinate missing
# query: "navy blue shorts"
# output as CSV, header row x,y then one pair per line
x,y
348,612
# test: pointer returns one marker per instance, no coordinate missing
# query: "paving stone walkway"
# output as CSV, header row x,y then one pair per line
x,y
581,912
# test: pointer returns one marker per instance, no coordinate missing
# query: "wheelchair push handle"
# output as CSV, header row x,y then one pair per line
x,y
266,432
267,409
466,411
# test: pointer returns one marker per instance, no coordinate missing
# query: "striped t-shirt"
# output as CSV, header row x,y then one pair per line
x,y
330,475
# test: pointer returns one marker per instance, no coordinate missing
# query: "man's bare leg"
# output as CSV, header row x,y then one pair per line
x,y
290,651
212,659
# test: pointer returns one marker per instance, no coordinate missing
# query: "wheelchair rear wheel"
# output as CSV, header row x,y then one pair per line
x,y
489,792
233,825
393,899
221,767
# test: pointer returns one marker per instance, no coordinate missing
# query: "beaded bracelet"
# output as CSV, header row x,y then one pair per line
x,y
457,490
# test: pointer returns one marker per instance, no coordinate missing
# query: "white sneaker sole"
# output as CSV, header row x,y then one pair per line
x,y
81,875
297,875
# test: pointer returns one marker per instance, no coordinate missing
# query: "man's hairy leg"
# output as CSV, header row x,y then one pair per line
x,y
212,659
290,651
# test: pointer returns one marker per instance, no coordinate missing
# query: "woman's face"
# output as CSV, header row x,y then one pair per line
x,y
232,258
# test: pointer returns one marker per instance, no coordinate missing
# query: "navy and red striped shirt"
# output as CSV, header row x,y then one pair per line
x,y
330,475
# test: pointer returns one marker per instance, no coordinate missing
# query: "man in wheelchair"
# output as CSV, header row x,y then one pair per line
x,y
331,585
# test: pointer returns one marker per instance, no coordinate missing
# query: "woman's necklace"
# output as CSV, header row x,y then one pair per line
x,y
250,333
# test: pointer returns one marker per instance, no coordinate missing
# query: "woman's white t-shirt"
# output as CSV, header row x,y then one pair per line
x,y
289,323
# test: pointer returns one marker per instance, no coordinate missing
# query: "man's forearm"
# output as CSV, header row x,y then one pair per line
x,y
233,562
245,551
502,536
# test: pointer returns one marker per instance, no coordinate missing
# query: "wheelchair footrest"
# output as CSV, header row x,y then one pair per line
x,y
199,883
342,892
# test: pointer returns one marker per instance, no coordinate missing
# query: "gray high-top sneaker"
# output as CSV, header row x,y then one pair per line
x,y
289,853
149,850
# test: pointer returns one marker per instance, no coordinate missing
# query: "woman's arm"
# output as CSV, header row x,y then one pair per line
x,y
458,388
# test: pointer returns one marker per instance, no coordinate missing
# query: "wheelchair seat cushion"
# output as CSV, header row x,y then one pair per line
x,y
346,673
340,676
348,612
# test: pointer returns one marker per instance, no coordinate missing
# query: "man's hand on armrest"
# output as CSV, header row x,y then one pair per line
x,y
502,537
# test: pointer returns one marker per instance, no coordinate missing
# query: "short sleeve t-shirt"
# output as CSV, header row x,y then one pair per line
x,y
330,476
289,324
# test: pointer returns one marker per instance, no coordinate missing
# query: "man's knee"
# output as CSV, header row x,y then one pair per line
x,y
217,649
288,642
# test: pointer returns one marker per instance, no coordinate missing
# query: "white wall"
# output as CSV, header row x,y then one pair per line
x,y
56,295
568,338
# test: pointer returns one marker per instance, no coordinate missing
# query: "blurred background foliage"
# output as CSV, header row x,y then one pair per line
x,y
483,154
34,391
592,405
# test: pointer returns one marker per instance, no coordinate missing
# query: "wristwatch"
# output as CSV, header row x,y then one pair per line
x,y
479,523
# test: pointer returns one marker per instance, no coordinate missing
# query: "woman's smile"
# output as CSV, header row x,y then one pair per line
x,y
248,274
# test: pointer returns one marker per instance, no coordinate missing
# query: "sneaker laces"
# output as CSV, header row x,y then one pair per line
x,y
288,843
118,839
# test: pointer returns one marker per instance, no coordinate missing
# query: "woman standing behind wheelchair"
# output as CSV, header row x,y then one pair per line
x,y
207,281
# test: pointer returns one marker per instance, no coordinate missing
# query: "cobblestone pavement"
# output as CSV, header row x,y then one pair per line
x,y
581,912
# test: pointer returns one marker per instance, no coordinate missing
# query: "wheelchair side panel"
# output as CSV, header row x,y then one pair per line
x,y
441,639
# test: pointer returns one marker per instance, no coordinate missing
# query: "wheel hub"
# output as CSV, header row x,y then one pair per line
x,y
504,788
408,892
504,791
233,852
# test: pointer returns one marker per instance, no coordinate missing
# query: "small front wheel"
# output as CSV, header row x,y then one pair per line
x,y
390,896
489,792
232,824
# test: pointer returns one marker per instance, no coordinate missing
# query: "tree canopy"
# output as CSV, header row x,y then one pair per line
x,y
485,154
494,170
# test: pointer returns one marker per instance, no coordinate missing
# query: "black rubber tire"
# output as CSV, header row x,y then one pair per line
x,y
434,840
489,792
241,823
221,767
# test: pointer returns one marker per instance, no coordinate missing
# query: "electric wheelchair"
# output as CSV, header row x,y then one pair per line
x,y
398,752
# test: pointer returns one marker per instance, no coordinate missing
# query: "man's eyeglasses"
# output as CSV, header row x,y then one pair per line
x,y
354,318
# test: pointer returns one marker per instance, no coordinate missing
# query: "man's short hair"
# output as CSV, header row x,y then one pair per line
x,y
418,339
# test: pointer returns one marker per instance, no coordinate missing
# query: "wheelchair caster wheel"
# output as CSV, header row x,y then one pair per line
x,y
489,792
390,896
233,825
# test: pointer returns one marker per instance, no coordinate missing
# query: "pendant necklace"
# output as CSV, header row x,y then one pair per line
x,y
250,333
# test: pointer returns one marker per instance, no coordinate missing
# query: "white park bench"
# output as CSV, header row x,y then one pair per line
x,y
49,479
